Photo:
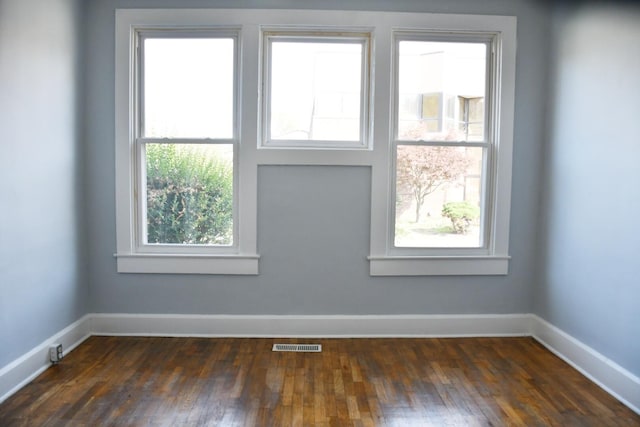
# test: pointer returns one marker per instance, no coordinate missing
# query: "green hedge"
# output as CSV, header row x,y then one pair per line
x,y
189,196
461,214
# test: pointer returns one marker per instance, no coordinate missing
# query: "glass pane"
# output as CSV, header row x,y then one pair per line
x,y
189,194
188,88
316,91
431,76
472,113
438,196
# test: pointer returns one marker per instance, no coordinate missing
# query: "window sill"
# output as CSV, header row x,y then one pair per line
x,y
188,264
438,266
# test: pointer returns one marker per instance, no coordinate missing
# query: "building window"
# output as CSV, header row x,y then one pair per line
x,y
471,118
431,111
315,89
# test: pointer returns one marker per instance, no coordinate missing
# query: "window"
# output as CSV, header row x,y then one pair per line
x,y
447,192
425,101
431,112
186,139
315,89
179,153
436,206
471,118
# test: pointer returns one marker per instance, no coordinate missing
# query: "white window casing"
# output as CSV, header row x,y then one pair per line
x,y
374,150
493,257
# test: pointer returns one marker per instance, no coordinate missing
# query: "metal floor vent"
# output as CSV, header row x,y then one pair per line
x,y
300,348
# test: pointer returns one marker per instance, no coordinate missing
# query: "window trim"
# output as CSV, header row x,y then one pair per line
x,y
492,259
133,255
487,190
251,22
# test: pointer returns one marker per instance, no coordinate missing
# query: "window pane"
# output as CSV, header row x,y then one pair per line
x,y
316,91
433,74
438,196
188,88
189,194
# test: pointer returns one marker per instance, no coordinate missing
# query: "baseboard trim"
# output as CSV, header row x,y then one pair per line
x,y
611,377
614,379
331,326
24,369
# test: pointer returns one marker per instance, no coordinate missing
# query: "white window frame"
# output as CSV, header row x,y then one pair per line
x,y
486,145
133,255
141,142
492,258
302,35
250,24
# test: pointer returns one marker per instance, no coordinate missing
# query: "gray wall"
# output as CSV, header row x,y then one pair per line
x,y
314,221
590,252
43,287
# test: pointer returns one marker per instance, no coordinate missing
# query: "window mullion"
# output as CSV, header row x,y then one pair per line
x,y
209,141
444,143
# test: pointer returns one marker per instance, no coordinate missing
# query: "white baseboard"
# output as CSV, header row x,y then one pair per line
x,y
24,369
329,326
614,379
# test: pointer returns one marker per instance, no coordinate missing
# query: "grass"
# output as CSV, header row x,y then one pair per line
x,y
429,226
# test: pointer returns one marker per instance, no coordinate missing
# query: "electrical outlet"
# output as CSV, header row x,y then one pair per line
x,y
55,353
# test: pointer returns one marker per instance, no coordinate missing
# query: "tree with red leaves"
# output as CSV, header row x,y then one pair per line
x,y
421,170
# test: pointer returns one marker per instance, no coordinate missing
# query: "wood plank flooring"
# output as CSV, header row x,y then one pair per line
x,y
128,381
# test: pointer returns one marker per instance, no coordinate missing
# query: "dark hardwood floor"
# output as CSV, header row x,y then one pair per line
x,y
128,381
